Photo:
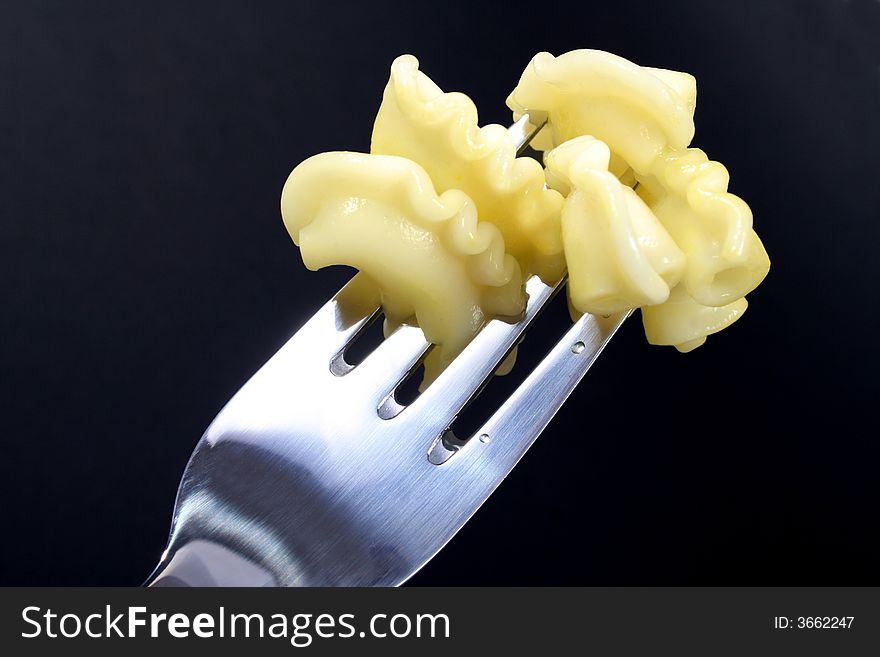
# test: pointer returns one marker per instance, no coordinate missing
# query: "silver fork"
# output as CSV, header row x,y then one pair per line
x,y
314,475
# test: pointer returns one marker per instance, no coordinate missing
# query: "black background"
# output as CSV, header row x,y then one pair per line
x,y
146,273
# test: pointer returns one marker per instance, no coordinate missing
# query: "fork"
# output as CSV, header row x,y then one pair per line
x,y
313,474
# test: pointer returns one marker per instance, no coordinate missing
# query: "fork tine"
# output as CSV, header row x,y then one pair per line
x,y
339,320
525,414
472,368
390,361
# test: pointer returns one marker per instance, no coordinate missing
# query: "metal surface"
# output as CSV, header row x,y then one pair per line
x,y
314,475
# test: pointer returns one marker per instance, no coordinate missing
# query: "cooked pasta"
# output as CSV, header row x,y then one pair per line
x,y
645,116
429,254
619,256
447,220
417,120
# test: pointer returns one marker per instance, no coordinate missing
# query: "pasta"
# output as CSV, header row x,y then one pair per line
x,y
428,253
639,112
688,194
645,116
684,323
417,120
619,256
448,222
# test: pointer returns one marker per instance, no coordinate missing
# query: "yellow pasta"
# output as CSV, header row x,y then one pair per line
x,y
633,109
619,256
688,194
447,221
684,323
439,131
645,116
428,253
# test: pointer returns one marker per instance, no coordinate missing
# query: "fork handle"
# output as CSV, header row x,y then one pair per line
x,y
205,563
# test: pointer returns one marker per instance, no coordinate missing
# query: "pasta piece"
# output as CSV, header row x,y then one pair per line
x,y
619,256
726,259
417,120
685,323
428,253
646,117
631,108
